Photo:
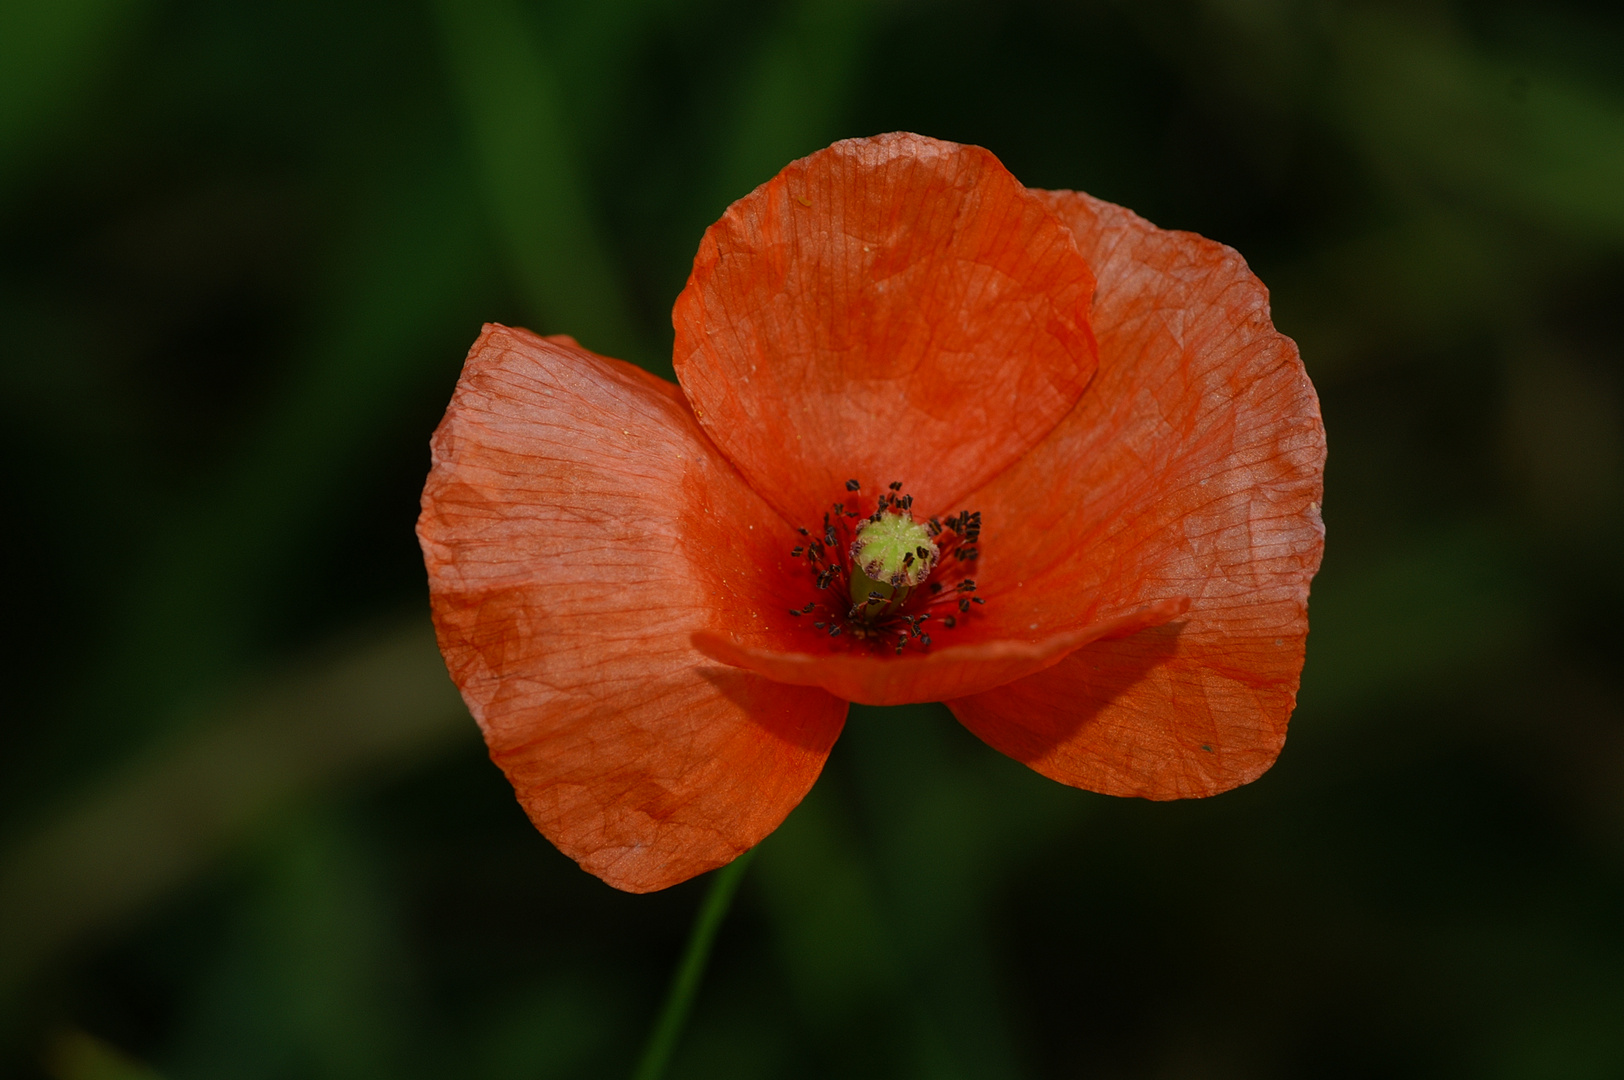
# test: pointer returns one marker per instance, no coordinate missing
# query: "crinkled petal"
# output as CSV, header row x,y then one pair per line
x,y
1191,468
575,527
894,308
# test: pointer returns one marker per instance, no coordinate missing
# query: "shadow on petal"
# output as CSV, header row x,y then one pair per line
x,y
756,697
1112,670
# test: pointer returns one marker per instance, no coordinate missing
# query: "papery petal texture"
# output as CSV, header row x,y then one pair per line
x,y
1191,468
894,308
578,527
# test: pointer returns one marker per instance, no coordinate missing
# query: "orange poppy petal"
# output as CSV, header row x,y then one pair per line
x,y
894,308
571,526
951,671
1191,468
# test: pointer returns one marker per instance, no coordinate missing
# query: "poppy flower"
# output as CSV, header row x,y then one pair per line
x,y
938,437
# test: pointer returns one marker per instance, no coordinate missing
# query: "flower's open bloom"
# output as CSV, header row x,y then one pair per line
x,y
657,612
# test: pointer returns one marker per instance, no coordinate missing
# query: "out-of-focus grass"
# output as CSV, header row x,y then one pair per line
x,y
531,172
157,823
244,248
76,1055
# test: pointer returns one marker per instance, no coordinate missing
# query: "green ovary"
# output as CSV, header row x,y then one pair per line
x,y
890,557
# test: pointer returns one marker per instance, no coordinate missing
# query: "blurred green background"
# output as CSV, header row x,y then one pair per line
x,y
247,829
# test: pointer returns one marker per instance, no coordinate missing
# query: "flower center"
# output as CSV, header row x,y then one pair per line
x,y
875,579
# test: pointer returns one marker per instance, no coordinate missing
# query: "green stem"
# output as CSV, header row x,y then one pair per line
x,y
679,1000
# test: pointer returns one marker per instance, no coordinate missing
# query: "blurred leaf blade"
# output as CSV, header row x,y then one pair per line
x,y
534,184
793,90
157,823
78,1055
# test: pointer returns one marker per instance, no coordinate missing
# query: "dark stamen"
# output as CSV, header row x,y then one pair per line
x,y
852,485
